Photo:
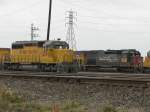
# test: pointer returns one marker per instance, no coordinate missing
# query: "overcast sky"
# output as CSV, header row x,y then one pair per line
x,y
101,24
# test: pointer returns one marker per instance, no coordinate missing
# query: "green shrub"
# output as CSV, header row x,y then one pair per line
x,y
72,106
11,102
109,109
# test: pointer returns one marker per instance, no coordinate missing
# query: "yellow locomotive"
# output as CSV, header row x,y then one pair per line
x,y
4,56
147,62
53,56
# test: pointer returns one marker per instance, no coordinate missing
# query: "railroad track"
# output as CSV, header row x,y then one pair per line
x,y
80,75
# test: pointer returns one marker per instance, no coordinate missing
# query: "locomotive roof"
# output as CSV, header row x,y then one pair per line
x,y
55,42
130,51
50,44
4,48
110,51
36,42
90,51
28,42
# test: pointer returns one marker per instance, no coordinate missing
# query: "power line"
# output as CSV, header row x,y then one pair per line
x,y
98,11
88,9
111,16
104,17
117,31
112,24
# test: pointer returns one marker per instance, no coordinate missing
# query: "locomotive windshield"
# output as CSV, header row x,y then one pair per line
x,y
56,45
131,52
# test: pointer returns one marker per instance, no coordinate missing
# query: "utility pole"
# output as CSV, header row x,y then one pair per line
x,y
70,37
33,32
49,19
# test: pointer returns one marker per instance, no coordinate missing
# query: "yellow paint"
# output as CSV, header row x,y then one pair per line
x,y
4,55
147,62
81,58
34,54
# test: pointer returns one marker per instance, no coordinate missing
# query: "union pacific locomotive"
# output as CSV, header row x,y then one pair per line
x,y
147,63
53,56
4,56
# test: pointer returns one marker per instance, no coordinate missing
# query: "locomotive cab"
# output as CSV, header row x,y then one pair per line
x,y
132,59
58,51
131,56
56,45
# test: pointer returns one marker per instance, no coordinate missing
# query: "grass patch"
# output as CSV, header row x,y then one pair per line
x,y
11,102
72,106
110,108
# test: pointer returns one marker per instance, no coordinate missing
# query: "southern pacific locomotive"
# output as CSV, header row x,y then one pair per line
x,y
55,56
121,60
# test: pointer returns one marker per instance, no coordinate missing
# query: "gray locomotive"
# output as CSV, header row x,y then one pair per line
x,y
120,60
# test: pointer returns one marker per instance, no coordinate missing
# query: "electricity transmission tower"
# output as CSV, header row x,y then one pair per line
x,y
70,37
34,32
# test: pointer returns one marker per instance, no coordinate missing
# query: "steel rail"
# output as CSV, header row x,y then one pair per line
x,y
81,75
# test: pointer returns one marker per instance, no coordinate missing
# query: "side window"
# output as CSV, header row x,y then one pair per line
x,y
19,46
59,47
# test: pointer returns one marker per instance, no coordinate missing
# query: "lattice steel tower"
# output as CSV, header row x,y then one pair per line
x,y
34,33
70,36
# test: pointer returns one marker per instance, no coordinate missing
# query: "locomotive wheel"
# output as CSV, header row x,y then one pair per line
x,y
74,67
1,66
14,67
119,69
146,70
6,66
